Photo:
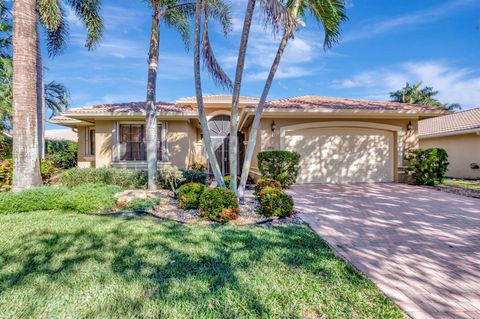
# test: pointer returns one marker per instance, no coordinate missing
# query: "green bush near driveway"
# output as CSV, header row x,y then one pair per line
x,y
265,182
282,166
219,204
83,199
189,195
427,166
274,202
128,179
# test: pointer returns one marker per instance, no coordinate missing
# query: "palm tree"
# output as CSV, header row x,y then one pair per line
x,y
26,171
175,14
330,14
52,17
414,94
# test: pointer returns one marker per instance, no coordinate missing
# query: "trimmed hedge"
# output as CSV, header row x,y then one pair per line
x,y
195,176
265,182
219,204
83,199
124,178
427,166
189,195
274,202
282,166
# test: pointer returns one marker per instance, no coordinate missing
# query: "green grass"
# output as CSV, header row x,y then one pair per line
x,y
59,265
468,184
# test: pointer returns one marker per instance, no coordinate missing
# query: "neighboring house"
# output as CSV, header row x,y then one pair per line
x,y
459,134
61,135
340,140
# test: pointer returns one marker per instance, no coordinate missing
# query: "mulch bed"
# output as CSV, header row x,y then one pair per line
x,y
168,209
457,190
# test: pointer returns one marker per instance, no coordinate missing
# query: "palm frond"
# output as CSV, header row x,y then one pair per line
x,y
221,12
49,13
88,11
178,17
209,60
57,39
276,14
57,97
330,14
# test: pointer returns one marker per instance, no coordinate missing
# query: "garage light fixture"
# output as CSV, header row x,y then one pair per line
x,y
409,126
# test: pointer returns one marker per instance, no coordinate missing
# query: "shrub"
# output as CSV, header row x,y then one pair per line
x,y
274,202
427,166
198,166
124,178
266,182
63,154
47,170
227,180
189,195
90,198
195,176
82,199
170,177
140,204
219,205
282,166
5,146
6,172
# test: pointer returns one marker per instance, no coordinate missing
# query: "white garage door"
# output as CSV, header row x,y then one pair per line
x,y
342,155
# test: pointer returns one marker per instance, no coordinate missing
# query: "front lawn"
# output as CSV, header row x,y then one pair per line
x,y
462,183
58,265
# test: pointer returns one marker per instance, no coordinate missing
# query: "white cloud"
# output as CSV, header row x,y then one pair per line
x,y
455,85
412,18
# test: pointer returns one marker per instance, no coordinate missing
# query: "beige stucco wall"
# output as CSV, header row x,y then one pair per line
x,y
82,158
268,141
103,143
181,136
463,150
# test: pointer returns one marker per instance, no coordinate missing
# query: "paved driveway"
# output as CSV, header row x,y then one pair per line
x,y
420,246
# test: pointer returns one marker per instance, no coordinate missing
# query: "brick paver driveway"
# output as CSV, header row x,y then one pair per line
x,y
420,246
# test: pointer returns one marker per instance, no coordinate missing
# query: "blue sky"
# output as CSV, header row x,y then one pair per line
x,y
385,43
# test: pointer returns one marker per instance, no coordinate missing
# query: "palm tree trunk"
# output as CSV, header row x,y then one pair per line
x,y
261,104
233,147
207,141
40,100
151,109
26,170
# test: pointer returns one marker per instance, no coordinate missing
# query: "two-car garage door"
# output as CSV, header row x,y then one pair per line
x,y
343,154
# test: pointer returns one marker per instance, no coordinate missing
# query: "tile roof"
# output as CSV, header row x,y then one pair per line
x,y
453,123
309,102
132,107
218,98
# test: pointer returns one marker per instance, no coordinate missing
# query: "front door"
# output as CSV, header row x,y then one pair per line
x,y
219,127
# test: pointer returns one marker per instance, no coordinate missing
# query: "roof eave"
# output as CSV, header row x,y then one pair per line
x,y
451,133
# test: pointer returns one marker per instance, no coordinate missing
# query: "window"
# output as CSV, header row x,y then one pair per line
x,y
133,143
90,141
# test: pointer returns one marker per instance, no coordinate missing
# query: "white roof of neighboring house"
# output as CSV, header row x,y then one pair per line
x,y
61,135
453,124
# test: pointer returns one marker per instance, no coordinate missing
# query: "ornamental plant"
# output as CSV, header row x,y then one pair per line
x,y
264,182
219,204
427,166
282,166
227,180
274,202
195,176
189,195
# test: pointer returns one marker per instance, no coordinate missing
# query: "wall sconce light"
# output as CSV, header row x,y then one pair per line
x,y
409,126
273,126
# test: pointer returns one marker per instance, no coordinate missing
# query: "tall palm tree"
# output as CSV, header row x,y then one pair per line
x,y
330,14
175,14
414,94
53,18
26,171
277,15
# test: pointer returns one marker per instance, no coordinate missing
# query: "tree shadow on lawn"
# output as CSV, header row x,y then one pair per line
x,y
164,258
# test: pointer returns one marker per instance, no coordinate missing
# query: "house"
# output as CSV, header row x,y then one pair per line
x,y
459,135
340,140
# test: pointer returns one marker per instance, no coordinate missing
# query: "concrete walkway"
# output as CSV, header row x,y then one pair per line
x,y
420,246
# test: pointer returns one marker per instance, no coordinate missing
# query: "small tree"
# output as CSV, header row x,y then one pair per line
x,y
427,166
